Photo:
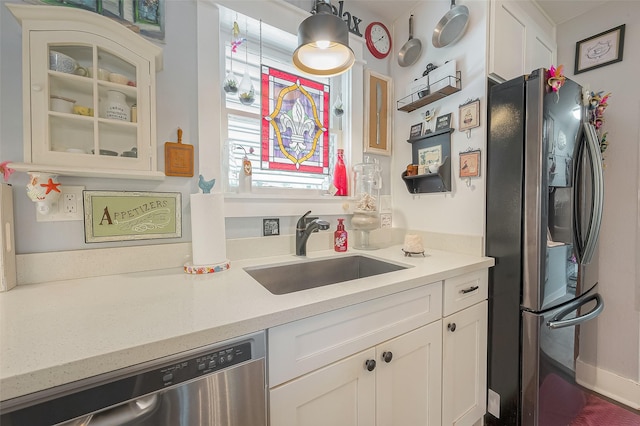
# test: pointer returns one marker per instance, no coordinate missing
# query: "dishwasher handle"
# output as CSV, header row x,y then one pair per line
x,y
123,414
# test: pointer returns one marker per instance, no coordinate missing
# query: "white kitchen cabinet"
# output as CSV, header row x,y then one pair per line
x,y
408,380
436,374
464,366
342,393
396,383
517,44
98,137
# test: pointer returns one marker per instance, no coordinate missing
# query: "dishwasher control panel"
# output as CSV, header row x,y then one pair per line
x,y
204,364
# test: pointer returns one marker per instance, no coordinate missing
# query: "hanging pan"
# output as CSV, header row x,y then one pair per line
x,y
410,52
452,25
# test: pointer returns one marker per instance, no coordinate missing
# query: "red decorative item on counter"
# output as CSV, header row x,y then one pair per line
x,y
340,237
340,175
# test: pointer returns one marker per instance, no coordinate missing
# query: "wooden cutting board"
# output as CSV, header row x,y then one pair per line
x,y
178,158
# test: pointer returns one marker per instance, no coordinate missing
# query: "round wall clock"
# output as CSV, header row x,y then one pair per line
x,y
378,39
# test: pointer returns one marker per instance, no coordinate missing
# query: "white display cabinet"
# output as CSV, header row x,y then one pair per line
x,y
89,95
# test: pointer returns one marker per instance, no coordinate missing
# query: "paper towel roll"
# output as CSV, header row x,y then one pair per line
x,y
208,241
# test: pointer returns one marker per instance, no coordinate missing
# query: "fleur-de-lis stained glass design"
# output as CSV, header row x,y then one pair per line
x,y
295,123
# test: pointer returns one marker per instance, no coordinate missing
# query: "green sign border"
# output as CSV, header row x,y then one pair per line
x,y
131,215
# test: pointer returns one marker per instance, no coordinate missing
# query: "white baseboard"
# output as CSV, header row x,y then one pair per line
x,y
621,389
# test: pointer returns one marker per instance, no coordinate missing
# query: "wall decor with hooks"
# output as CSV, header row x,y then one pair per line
x,y
470,164
469,116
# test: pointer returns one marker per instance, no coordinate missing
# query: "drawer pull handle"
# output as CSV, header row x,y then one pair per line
x,y
451,326
370,364
387,356
469,290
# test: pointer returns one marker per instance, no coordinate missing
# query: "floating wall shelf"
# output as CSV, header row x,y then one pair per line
x,y
436,91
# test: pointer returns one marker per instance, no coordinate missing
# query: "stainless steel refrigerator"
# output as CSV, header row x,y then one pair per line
x,y
544,207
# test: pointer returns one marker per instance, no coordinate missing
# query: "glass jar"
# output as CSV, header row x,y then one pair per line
x,y
366,215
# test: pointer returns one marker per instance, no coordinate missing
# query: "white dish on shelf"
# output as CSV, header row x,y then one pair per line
x,y
61,62
62,104
118,78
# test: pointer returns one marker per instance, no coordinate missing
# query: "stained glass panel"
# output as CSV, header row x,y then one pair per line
x,y
295,123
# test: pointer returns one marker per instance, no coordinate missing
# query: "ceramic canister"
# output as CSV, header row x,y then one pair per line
x,y
116,107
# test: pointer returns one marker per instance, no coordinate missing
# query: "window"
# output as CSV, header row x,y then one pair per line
x,y
255,52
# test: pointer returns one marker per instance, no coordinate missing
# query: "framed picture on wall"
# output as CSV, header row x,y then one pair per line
x,y
469,115
600,50
470,164
378,110
416,130
443,122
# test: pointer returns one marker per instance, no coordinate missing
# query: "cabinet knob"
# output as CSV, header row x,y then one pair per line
x,y
36,88
387,356
451,326
370,364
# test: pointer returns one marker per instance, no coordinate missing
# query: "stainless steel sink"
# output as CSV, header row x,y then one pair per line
x,y
292,277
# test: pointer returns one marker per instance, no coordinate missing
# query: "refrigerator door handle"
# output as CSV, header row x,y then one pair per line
x,y
558,322
597,195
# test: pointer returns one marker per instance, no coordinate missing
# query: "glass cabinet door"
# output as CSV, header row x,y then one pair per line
x,y
86,106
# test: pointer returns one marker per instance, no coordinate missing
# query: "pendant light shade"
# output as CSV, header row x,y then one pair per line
x,y
323,43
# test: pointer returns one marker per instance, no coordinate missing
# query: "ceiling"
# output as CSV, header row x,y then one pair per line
x,y
558,10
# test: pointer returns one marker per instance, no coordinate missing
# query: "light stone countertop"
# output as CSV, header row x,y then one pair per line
x,y
59,332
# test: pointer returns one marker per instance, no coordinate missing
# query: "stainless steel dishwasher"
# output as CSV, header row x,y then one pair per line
x,y
221,384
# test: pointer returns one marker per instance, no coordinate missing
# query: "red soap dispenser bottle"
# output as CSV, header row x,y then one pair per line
x,y
340,237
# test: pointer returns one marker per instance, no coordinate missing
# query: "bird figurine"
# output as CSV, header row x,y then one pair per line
x,y
206,185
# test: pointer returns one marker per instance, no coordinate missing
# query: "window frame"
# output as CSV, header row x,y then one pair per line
x,y
212,121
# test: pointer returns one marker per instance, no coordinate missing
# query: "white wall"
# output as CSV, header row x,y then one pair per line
x,y
176,107
462,210
612,344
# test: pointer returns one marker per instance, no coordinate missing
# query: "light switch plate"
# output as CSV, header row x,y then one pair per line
x,y
68,207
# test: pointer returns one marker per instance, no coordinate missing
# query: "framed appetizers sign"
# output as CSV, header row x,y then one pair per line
x,y
378,95
124,216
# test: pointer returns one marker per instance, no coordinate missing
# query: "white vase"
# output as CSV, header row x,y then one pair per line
x,y
117,108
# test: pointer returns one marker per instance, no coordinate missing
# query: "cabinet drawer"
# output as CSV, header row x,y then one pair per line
x,y
465,290
302,346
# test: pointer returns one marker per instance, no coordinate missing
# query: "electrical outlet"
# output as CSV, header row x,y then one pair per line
x,y
493,403
68,207
69,203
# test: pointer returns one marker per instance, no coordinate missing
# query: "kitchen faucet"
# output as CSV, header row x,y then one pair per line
x,y
304,228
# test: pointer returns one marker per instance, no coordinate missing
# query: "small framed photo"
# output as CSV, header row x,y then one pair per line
x,y
469,115
470,164
600,50
443,122
378,113
270,227
416,131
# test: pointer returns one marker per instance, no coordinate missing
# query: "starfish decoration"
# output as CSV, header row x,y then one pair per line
x,y
51,186
6,170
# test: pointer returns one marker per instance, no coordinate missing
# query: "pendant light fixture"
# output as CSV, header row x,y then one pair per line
x,y
323,43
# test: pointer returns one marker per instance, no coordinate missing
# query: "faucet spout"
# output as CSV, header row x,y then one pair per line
x,y
304,228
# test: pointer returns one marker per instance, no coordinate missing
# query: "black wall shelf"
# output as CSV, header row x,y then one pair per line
x,y
431,182
445,87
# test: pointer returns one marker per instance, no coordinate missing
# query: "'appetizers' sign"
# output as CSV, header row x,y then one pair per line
x,y
121,216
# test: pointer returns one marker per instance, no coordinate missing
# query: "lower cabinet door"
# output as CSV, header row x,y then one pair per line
x,y
409,378
464,366
342,393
